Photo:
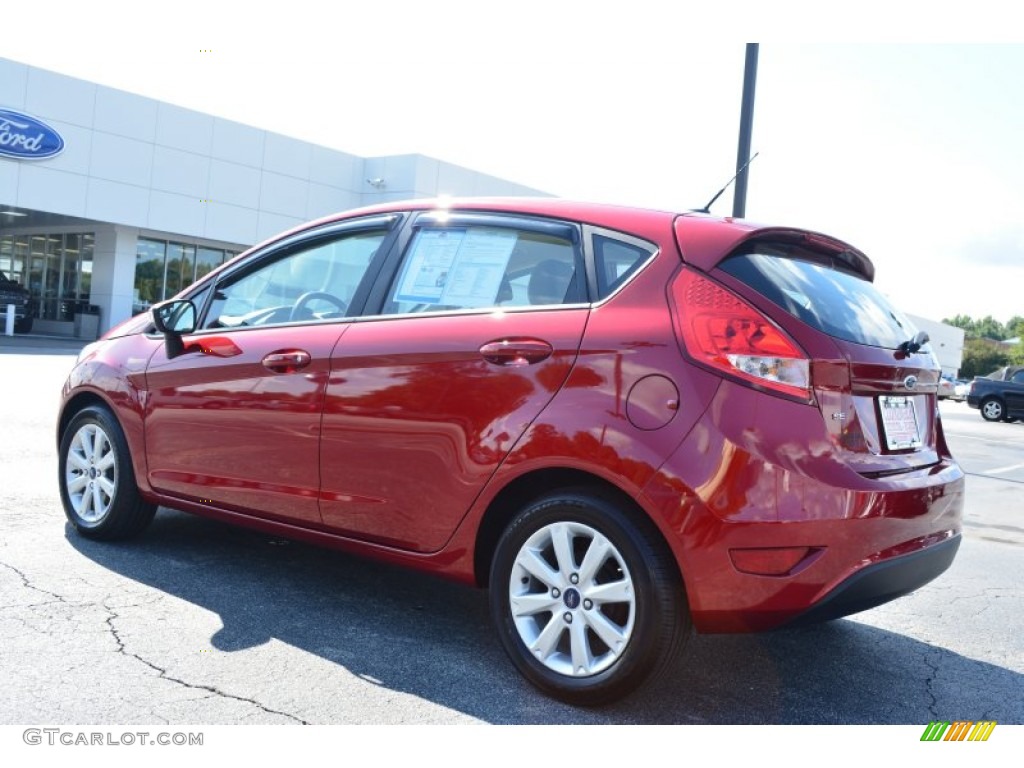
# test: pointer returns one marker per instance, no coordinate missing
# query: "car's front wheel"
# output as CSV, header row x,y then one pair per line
x,y
97,482
587,602
992,409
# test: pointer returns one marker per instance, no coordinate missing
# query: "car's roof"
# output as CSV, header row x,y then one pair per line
x,y
599,214
705,239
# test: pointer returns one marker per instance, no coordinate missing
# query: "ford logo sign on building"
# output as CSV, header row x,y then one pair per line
x,y
27,138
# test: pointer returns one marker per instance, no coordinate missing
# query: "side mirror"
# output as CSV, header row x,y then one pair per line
x,y
174,318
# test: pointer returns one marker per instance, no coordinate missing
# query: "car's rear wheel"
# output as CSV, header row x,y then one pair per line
x,y
587,602
24,325
97,482
992,409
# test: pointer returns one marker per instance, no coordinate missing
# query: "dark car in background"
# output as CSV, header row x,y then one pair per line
x,y
12,292
623,423
1000,395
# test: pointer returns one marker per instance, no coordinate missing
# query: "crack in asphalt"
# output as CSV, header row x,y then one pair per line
x,y
112,616
31,605
26,582
121,649
928,685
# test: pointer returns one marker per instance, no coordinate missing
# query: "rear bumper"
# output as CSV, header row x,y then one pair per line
x,y
766,535
881,582
854,551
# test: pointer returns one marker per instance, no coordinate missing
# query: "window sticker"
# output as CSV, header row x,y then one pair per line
x,y
431,258
456,267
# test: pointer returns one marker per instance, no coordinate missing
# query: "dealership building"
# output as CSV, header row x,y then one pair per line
x,y
110,201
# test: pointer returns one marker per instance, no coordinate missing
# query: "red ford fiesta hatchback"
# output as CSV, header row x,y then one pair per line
x,y
623,422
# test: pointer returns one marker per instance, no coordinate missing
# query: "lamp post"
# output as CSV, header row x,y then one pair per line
x,y
739,200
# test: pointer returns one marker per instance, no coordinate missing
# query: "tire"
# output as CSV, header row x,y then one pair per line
x,y
24,325
97,481
992,409
585,631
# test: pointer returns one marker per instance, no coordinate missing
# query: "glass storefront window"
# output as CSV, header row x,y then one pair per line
x,y
87,245
181,260
207,259
19,263
54,308
37,271
7,258
56,269
149,274
72,250
163,269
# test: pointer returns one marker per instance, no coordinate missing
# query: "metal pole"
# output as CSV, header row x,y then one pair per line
x,y
739,200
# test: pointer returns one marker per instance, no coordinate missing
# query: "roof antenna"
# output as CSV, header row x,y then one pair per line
x,y
707,208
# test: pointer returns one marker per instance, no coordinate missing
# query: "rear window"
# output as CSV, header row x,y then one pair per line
x,y
835,301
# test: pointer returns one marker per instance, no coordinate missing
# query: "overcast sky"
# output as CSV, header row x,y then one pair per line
x,y
909,151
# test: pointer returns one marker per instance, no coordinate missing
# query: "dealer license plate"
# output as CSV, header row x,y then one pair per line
x,y
899,423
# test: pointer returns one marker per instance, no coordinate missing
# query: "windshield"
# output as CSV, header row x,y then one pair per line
x,y
839,303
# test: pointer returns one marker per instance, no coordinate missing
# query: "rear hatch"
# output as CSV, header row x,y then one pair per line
x,y
875,388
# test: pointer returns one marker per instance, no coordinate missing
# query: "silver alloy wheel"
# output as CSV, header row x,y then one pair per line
x,y
572,599
90,473
993,410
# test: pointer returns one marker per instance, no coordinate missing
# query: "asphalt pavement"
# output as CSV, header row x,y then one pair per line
x,y
197,622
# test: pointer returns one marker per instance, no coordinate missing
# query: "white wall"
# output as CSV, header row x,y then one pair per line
x,y
137,163
947,342
401,177
113,273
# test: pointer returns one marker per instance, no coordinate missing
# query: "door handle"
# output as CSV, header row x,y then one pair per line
x,y
516,352
287,361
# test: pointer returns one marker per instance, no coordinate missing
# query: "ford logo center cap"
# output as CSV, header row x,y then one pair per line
x,y
27,138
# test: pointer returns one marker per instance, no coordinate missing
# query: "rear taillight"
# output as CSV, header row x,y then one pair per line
x,y
722,331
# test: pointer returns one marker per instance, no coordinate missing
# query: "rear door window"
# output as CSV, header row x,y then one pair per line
x,y
829,298
468,266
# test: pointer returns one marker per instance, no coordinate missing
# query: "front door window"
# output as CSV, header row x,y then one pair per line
x,y
253,383
312,283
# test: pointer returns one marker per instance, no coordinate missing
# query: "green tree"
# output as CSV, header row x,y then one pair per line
x,y
985,328
961,321
982,356
1015,327
990,328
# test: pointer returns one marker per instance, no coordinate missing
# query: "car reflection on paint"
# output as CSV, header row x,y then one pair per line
x,y
625,424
